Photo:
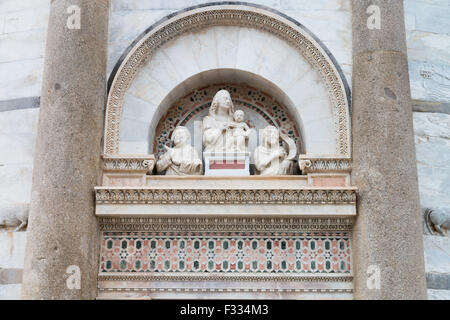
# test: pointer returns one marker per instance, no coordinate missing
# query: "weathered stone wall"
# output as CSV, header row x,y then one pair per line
x,y
428,39
22,40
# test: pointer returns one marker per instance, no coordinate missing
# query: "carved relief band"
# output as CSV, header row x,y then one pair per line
x,y
125,163
208,196
324,164
241,224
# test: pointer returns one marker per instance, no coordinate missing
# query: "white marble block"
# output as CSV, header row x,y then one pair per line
x,y
227,164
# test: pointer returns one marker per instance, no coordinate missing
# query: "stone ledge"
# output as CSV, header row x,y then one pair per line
x,y
200,195
275,203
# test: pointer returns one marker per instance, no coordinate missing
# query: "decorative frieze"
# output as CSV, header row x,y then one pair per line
x,y
208,196
223,290
242,224
248,277
124,163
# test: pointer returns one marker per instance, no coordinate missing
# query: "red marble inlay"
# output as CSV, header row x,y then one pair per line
x,y
235,164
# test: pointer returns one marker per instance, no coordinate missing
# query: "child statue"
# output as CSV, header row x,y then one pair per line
x,y
240,133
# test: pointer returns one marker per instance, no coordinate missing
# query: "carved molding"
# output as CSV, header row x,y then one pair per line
x,y
128,163
252,277
309,164
269,290
179,224
208,196
227,15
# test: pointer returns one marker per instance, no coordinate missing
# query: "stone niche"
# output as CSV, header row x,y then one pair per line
x,y
226,236
261,109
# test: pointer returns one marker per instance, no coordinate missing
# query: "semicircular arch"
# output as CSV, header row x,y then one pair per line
x,y
313,84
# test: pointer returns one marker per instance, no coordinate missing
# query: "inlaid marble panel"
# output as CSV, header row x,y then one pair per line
x,y
226,252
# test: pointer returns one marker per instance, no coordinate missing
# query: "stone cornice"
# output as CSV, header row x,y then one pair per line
x,y
232,196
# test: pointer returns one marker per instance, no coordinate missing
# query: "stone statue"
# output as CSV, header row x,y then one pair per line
x,y
182,159
240,132
437,220
270,158
216,125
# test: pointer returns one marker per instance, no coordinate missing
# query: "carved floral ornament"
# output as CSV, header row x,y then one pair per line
x,y
211,196
229,224
117,163
228,15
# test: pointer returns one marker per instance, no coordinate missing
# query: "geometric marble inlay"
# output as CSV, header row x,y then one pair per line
x,y
226,252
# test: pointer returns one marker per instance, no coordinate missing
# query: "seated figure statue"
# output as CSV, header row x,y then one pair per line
x,y
272,159
225,138
216,124
182,159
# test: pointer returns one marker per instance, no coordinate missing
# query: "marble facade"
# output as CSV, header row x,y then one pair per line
x,y
226,61
23,25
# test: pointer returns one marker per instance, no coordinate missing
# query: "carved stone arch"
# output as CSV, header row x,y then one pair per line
x,y
229,14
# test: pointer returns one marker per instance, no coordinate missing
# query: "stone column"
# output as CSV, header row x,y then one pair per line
x,y
388,233
63,229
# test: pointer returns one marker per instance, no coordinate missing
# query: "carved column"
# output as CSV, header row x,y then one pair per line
x,y
387,234
62,229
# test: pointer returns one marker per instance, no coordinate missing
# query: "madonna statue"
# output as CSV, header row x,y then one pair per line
x,y
217,124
